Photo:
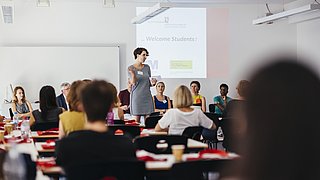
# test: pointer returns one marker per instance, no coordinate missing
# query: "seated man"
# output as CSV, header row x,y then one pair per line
x,y
221,101
62,98
124,97
94,145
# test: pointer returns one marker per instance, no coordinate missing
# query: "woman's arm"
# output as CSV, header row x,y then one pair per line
x,y
169,103
204,104
31,120
159,129
133,78
14,108
120,113
61,131
29,106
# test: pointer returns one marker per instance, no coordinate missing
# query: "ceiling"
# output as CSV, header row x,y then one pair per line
x,y
210,1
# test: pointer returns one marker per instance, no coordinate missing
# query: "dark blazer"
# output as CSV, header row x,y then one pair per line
x,y
62,102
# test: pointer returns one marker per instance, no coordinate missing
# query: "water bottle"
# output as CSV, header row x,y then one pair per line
x,y
14,165
25,130
220,135
15,120
110,118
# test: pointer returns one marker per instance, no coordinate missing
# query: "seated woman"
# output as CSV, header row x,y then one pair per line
x,y
117,111
175,120
48,115
75,119
198,100
160,101
20,104
234,125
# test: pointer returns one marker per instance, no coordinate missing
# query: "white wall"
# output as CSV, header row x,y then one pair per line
x,y
308,43
248,45
86,23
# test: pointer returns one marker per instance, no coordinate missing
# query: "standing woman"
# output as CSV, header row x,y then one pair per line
x,y
141,103
20,104
198,100
161,102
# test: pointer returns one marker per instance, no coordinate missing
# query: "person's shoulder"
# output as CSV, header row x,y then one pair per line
x,y
197,111
81,134
217,97
71,114
146,66
202,96
171,111
123,91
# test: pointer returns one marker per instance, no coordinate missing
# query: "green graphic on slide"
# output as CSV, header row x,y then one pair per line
x,y
181,64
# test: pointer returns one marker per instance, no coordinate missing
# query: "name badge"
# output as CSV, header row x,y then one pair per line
x,y
140,72
164,101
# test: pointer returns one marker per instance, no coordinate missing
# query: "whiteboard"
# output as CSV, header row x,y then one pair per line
x,y
34,67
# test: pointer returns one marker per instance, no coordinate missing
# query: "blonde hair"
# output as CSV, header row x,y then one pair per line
x,y
182,97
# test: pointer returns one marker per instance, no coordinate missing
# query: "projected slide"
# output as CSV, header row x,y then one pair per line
x,y
176,41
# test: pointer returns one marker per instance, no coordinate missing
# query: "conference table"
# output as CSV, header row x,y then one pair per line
x,y
36,149
36,135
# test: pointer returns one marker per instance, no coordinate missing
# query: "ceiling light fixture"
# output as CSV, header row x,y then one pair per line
x,y
284,14
43,3
151,12
109,3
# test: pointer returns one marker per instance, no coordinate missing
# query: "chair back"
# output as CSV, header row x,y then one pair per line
x,y
152,121
160,144
209,134
130,131
42,126
212,108
11,113
213,117
193,132
119,170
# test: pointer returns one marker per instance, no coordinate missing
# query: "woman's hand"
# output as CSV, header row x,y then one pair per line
x,y
131,70
153,81
133,75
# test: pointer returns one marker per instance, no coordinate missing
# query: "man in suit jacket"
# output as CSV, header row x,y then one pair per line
x,y
62,98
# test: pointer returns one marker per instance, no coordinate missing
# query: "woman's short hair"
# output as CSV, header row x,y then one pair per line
x,y
98,98
182,97
64,85
243,88
138,51
195,82
74,95
15,92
